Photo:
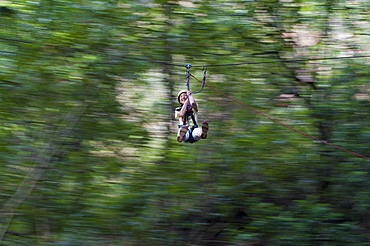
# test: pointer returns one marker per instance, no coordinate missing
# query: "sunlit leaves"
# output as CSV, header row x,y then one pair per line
x,y
82,95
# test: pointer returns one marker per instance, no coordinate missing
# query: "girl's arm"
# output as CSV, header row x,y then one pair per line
x,y
192,102
182,111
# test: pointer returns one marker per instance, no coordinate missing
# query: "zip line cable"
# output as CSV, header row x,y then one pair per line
x,y
280,123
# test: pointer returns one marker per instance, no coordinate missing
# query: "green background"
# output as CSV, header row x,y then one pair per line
x,y
88,150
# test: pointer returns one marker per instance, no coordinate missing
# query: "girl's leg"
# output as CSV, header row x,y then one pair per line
x,y
205,128
182,134
197,132
201,133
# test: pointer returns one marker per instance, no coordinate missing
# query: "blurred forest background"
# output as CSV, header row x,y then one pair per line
x,y
88,138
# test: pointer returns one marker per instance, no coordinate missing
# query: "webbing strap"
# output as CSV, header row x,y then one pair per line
x,y
188,74
203,82
191,138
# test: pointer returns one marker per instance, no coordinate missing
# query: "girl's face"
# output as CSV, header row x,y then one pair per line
x,y
182,98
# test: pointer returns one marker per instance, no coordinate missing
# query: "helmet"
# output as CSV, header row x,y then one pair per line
x,y
178,95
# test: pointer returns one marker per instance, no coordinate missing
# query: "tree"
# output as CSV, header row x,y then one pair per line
x,y
88,143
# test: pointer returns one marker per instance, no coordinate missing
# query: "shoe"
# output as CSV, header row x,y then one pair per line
x,y
182,134
204,130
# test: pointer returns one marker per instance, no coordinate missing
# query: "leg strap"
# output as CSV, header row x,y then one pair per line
x,y
191,138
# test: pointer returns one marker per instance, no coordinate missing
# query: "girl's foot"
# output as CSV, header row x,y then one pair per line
x,y
182,134
204,130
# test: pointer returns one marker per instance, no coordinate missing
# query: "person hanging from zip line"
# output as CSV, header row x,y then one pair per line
x,y
187,113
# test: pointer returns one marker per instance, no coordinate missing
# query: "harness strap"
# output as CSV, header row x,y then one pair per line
x,y
191,138
188,75
203,80
189,113
193,119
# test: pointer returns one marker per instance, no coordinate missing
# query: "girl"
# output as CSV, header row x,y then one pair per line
x,y
187,115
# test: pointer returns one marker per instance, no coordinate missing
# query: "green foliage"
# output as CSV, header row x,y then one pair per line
x,y
88,140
